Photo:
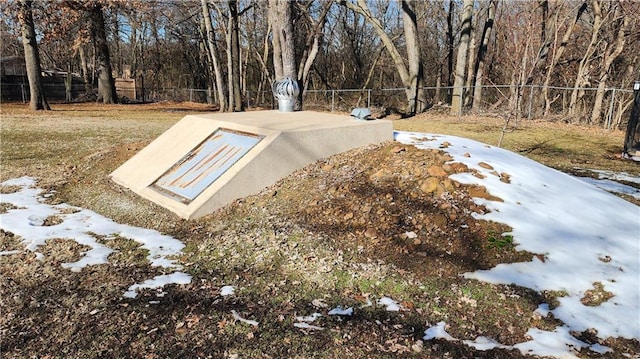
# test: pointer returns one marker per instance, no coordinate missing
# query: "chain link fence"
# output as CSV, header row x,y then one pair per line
x,y
530,101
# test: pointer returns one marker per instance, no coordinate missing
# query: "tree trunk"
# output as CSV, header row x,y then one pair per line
x,y
230,80
233,46
303,74
482,53
583,67
411,77
275,24
471,59
213,55
557,56
287,44
106,83
38,100
262,58
611,54
417,100
86,76
372,69
283,44
116,40
205,57
362,9
547,37
313,45
450,38
458,84
284,55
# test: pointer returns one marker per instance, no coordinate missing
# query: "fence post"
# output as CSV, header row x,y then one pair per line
x,y
368,98
333,95
607,123
24,96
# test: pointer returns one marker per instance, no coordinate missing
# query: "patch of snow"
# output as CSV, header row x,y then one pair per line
x,y
237,317
390,304
543,310
484,343
307,326
612,186
616,176
558,343
438,332
572,223
310,318
158,282
341,311
8,253
84,227
369,303
411,235
227,290
600,349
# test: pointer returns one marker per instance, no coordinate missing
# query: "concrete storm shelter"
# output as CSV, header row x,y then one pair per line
x,y
205,162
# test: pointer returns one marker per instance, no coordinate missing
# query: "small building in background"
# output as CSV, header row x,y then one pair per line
x,y
58,85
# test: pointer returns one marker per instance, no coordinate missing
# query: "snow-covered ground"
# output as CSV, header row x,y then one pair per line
x,y
28,220
612,186
587,237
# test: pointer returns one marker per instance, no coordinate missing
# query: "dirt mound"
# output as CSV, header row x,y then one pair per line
x,y
396,203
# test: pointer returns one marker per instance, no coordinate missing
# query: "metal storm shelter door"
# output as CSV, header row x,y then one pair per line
x,y
203,165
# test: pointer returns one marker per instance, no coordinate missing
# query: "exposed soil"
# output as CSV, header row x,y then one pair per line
x,y
395,203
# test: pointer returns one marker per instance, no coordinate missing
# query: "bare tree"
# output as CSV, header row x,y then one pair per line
x,y
362,44
461,61
411,76
84,67
212,55
281,19
283,40
582,75
312,45
471,59
106,83
547,35
612,50
559,50
287,62
32,57
482,53
415,93
450,53
233,58
94,11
